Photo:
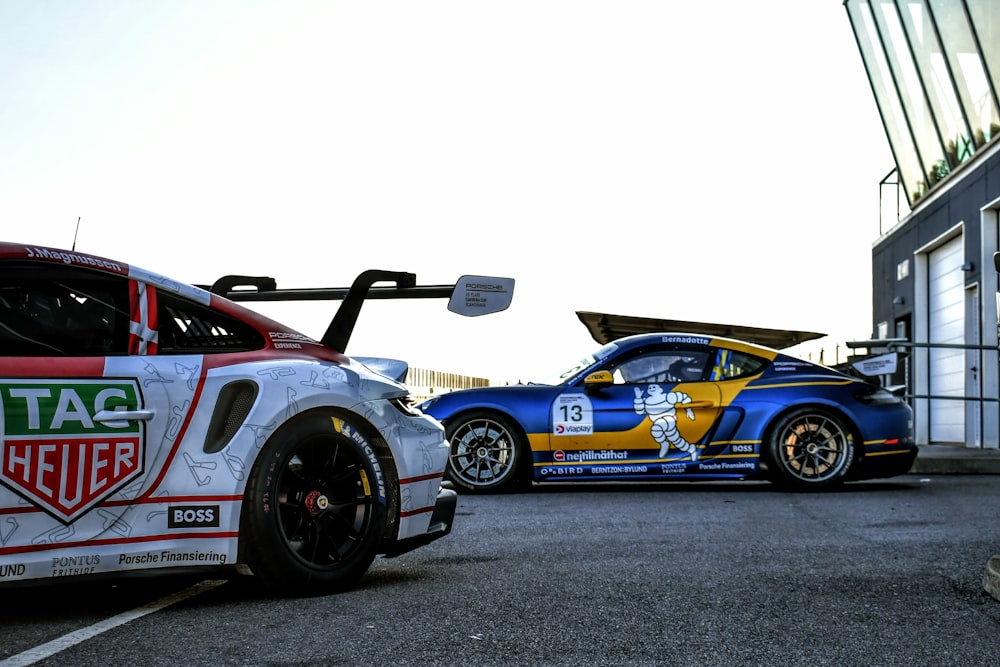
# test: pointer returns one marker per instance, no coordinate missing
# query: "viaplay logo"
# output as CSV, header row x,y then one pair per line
x,y
61,447
574,429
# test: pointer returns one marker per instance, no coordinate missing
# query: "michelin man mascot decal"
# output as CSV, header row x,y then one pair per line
x,y
661,407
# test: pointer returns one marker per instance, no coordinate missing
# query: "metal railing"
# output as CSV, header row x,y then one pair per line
x,y
894,344
979,394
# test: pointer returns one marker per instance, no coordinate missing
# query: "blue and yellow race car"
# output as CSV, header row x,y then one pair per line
x,y
676,406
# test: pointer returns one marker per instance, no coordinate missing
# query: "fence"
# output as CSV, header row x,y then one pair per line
x,y
424,383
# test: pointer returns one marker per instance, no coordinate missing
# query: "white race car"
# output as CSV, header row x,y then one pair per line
x,y
147,423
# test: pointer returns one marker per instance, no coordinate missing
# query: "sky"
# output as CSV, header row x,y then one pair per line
x,y
706,161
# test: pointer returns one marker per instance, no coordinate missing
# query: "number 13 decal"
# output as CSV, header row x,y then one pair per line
x,y
572,414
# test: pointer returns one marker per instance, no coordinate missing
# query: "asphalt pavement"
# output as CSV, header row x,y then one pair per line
x,y
959,460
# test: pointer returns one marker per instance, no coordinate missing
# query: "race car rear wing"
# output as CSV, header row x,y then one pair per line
x,y
469,296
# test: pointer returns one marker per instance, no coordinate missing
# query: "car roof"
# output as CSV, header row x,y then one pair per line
x,y
10,250
24,251
688,338
21,251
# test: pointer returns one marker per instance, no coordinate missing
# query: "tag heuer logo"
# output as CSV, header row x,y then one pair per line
x,y
56,448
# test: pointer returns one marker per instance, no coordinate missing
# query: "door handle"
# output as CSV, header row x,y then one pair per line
x,y
120,418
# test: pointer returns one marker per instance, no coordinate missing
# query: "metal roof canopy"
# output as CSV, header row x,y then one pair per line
x,y
605,328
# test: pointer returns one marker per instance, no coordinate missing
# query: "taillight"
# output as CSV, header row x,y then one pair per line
x,y
874,395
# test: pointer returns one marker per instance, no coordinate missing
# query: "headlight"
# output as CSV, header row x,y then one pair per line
x,y
405,405
425,406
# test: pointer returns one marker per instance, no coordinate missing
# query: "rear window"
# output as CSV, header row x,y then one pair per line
x,y
186,327
730,364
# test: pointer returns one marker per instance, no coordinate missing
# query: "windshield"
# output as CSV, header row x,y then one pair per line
x,y
571,371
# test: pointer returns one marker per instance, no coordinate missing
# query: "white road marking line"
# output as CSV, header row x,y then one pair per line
x,y
33,655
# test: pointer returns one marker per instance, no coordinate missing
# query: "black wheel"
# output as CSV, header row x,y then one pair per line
x,y
810,448
313,517
487,453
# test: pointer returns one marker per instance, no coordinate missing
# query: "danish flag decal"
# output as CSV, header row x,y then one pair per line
x,y
61,449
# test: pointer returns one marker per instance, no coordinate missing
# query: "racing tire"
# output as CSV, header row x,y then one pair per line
x,y
488,454
809,448
313,519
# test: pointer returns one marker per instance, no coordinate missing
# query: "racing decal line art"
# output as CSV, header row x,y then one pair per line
x,y
149,423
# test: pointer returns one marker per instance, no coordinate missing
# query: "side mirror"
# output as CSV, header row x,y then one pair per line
x,y
996,261
597,381
481,295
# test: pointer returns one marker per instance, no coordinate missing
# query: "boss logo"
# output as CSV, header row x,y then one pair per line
x,y
193,516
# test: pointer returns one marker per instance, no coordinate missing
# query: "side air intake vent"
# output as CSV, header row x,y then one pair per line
x,y
231,410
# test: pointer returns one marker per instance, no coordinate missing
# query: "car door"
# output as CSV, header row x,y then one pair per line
x,y
85,426
655,409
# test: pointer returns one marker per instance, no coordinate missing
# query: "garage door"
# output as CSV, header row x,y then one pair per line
x,y
946,324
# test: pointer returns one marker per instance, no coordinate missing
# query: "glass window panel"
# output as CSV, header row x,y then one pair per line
x,y
986,20
967,68
886,96
952,125
911,91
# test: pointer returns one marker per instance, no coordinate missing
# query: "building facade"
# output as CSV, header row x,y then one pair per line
x,y
933,66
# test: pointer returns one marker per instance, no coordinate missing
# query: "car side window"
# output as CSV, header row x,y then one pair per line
x,y
187,327
50,310
663,366
731,364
